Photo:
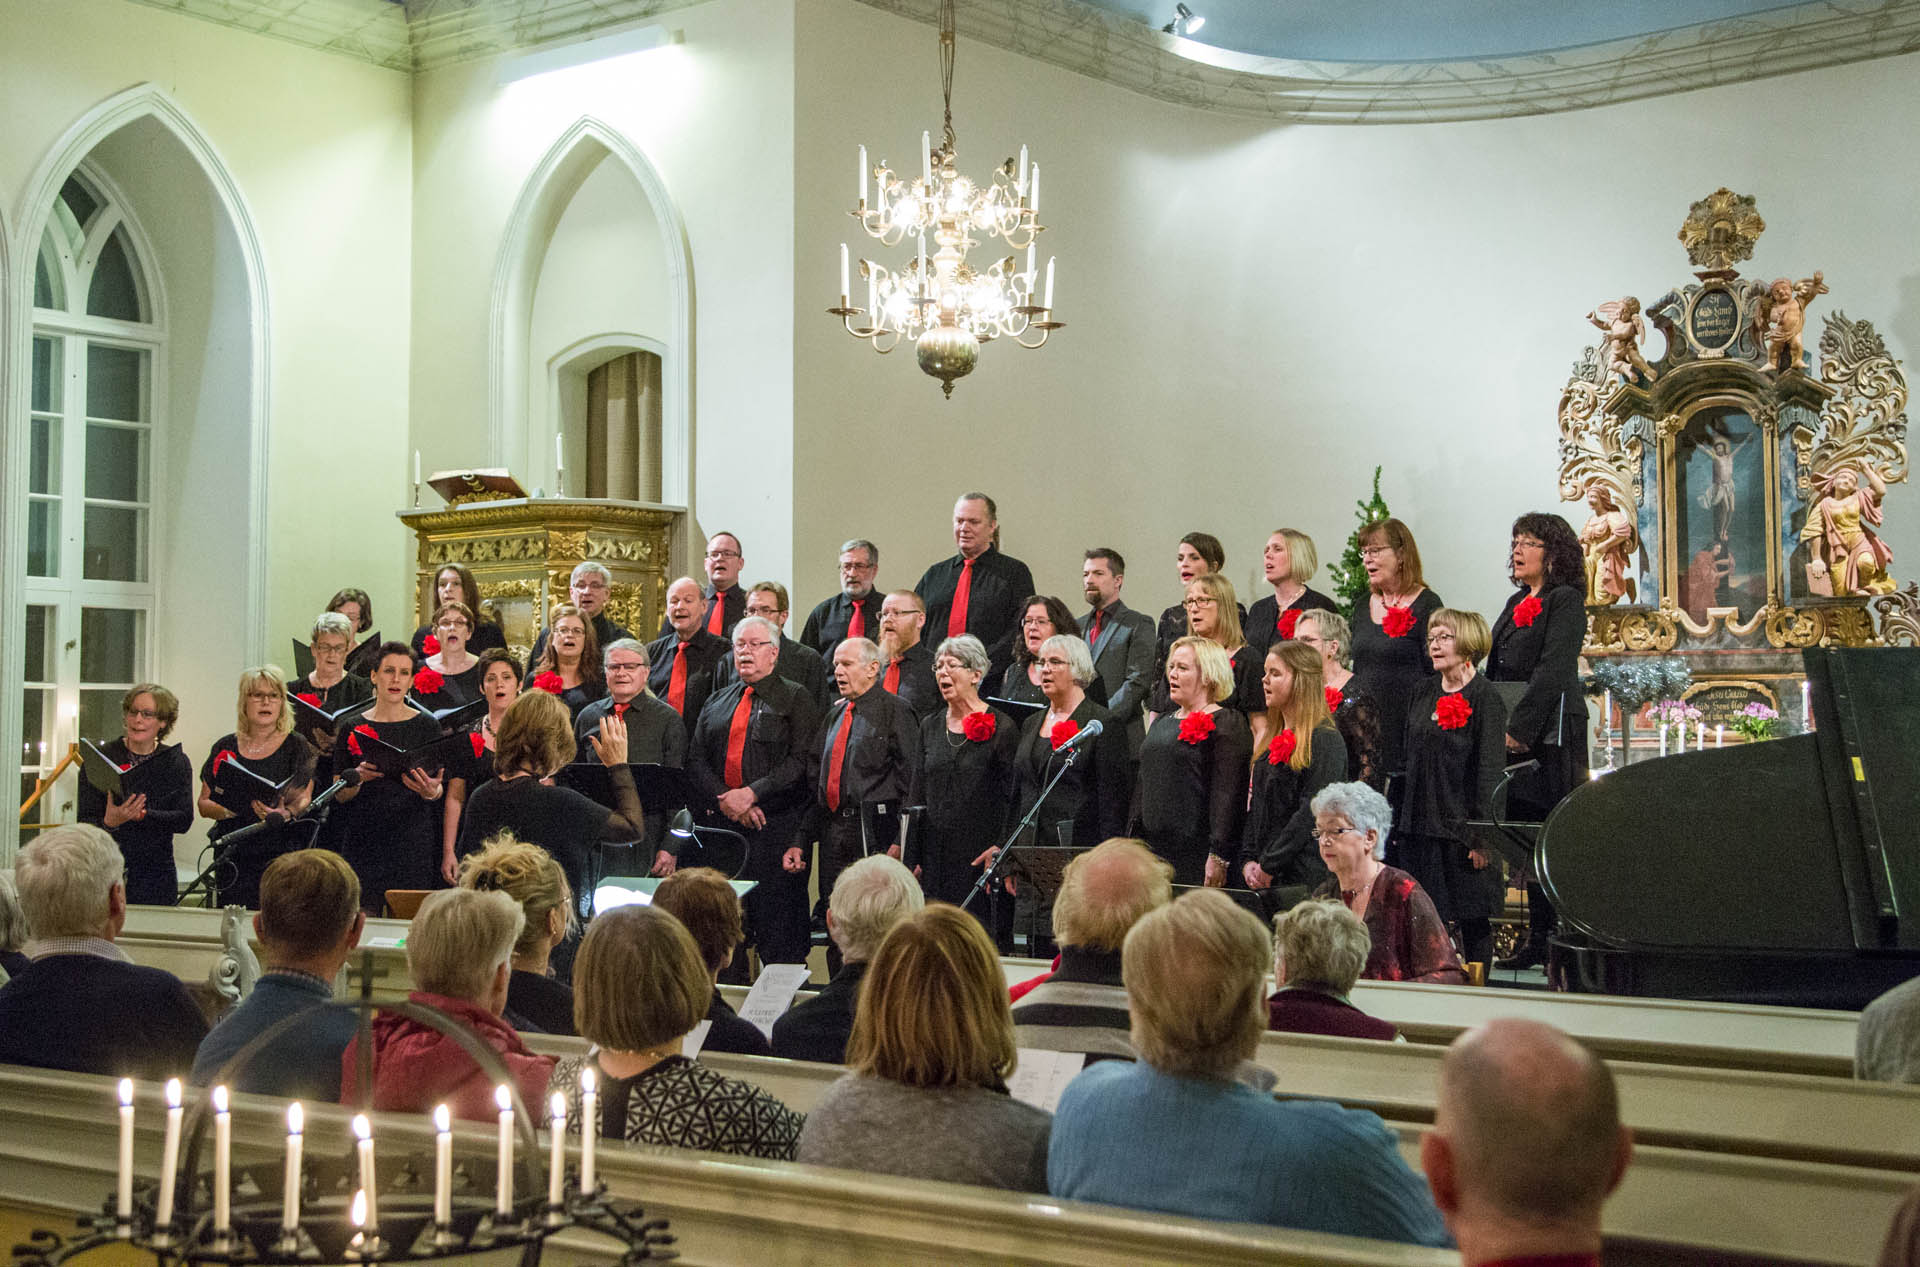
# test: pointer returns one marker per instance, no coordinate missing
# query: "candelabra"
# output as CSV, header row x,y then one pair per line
x,y
945,305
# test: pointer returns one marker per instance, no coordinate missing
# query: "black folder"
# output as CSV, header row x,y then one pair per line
x,y
1019,710
101,771
663,788
235,787
302,659
436,754
455,717
310,718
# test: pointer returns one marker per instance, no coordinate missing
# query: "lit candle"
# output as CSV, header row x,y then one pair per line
x,y
1719,734
844,291
557,1164
926,161
863,176
1048,305
222,1165
124,1205
363,1132
169,1158
442,1166
290,1187
1033,191
589,1129
502,1097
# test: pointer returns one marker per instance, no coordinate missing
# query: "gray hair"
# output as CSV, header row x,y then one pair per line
x,y
761,623
66,878
1079,657
968,650
1359,805
1332,627
333,623
634,645
459,939
1196,972
869,898
861,543
1320,944
866,648
590,568
13,923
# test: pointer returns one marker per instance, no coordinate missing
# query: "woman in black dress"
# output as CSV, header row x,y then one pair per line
x,y
569,665
330,687
965,777
1389,626
1041,617
1288,563
1537,640
1354,711
357,607
1091,801
1455,753
1193,766
270,781
500,686
387,828
451,675
1304,754
156,801
454,584
1214,614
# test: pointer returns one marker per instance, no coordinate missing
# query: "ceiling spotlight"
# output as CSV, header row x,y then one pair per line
x,y
1185,21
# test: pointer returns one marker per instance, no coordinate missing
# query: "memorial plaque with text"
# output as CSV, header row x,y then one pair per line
x,y
1715,319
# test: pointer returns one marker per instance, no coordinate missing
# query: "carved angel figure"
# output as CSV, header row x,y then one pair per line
x,y
1781,316
1607,540
1848,557
1620,320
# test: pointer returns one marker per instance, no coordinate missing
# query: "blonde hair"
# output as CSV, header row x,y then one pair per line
x,y
1226,606
1302,559
933,1006
535,735
269,675
638,982
1195,972
1215,665
530,876
459,941
1304,711
1320,943
1105,891
1471,637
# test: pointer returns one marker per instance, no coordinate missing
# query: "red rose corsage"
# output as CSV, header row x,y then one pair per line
x,y
1527,611
1288,622
979,727
1398,622
427,682
479,742
1280,751
353,738
1063,733
128,766
430,645
220,758
1195,727
1452,711
549,682
310,698
1334,699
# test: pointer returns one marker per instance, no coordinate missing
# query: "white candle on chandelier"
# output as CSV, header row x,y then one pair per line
x,y
124,1195
363,1133
589,1130
1033,191
921,279
1023,169
442,1166
843,275
169,1158
863,175
222,1165
926,162
503,1204
873,295
557,1161
1048,305
290,1185
1031,275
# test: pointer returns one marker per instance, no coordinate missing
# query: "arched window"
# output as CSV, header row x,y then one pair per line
x,y
97,343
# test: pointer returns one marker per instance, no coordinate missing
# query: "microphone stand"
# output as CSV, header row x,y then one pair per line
x,y
224,847
993,870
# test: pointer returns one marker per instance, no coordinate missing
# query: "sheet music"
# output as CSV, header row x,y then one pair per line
x,y
1040,1076
696,1039
772,994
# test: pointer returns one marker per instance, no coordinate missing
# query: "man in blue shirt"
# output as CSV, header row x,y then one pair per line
x,y
309,923
1176,1133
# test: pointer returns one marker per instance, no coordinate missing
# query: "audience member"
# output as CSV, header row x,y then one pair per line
x,y
459,951
702,900
537,1001
1176,1133
1526,1145
1902,1246
1319,949
80,1004
1082,1005
868,899
13,928
639,989
1886,1047
308,924
931,1050
1409,943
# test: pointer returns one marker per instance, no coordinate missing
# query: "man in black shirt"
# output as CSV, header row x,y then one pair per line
x,y
799,663
979,590
682,661
855,611
1122,641
588,589
725,600
906,661
750,751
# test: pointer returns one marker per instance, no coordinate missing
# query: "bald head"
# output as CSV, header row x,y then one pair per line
x,y
1532,1125
1106,890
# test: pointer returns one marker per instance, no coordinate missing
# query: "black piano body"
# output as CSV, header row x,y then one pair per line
x,y
1784,872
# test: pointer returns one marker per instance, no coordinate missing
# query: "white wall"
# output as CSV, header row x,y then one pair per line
x,y
1257,316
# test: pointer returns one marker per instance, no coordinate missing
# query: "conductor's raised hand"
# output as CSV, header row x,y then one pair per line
x,y
610,744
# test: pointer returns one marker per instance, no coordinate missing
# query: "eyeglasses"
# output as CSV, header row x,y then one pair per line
x,y
1037,620
1442,636
264,695
759,645
764,613
723,554
1319,836
591,583
626,666
143,714
329,648
1374,552
858,567
1199,602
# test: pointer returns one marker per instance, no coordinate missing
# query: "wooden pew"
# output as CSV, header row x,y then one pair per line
x,y
186,941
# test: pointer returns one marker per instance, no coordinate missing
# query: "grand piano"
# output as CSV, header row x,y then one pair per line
x,y
1784,872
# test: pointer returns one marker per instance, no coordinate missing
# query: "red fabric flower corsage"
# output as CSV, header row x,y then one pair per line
x,y
353,738
549,682
223,756
1280,751
1064,732
1398,622
1334,699
1452,711
427,682
1288,622
979,727
128,766
1527,611
1195,727
310,698
430,645
479,742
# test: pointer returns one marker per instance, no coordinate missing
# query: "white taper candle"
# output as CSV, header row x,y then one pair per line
x,y
589,1129
442,1166
503,1203
123,1197
222,1164
169,1157
557,1160
290,1184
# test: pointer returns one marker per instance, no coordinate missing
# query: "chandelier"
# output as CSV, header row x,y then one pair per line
x,y
945,305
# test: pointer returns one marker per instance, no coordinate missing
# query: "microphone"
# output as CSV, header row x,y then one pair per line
x,y
1522,767
349,778
1087,734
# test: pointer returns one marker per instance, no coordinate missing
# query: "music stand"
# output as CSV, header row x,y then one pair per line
x,y
1042,866
1509,840
1246,899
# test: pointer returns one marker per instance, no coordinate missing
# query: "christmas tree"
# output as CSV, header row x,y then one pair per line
x,y
1349,577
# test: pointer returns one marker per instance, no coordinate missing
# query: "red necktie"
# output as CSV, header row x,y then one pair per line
x,y
677,684
837,759
892,681
1093,634
957,614
737,739
857,624
717,616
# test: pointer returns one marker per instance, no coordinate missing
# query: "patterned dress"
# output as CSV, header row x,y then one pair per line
x,y
681,1103
1409,941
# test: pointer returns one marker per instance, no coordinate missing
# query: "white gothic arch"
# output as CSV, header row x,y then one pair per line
x,y
529,229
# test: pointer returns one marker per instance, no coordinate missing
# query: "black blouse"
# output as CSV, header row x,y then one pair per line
x,y
455,688
967,787
1358,718
1545,654
1279,834
1096,791
560,820
388,832
1452,771
293,757
1193,796
486,636
1263,618
1392,669
165,778
350,689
